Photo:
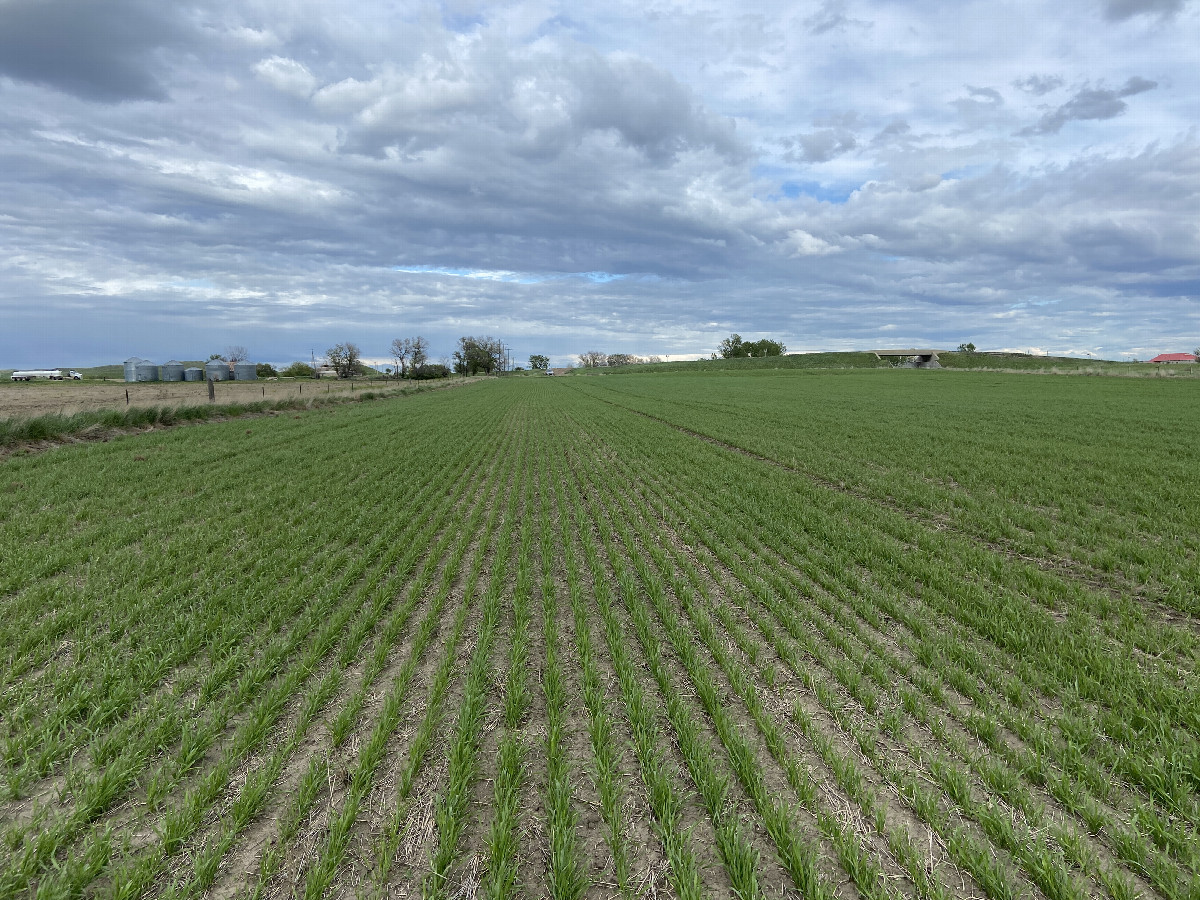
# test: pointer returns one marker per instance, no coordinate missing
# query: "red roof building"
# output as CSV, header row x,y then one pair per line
x,y
1174,358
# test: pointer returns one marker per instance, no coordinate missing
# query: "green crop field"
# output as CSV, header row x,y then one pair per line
x,y
861,633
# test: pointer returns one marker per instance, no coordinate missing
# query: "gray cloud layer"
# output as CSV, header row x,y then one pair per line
x,y
101,51
1091,103
645,179
1124,9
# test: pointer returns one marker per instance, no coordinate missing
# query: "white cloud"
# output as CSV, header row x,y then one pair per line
x,y
286,75
801,243
930,166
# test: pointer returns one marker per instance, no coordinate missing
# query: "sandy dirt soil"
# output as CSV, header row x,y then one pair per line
x,y
22,400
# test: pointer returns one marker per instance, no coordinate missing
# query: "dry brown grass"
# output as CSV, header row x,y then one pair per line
x,y
25,400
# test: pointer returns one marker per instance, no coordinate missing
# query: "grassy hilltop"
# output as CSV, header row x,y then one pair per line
x,y
1002,362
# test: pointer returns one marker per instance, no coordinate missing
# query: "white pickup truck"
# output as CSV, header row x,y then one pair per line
x,y
52,374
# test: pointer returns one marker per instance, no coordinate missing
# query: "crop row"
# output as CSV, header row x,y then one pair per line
x,y
578,652
1095,478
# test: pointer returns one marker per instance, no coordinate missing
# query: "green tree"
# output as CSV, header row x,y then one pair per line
x,y
265,370
431,370
966,348
733,347
344,358
539,363
299,370
476,355
764,347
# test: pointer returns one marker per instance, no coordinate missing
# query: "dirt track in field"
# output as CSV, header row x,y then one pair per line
x,y
23,400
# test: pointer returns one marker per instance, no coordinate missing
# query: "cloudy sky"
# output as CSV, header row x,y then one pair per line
x,y
640,177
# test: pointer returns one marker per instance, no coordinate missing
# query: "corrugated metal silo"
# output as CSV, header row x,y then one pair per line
x,y
145,371
216,370
130,364
245,371
172,370
193,373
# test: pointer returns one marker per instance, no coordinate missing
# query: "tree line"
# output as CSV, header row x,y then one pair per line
x,y
410,357
594,359
475,355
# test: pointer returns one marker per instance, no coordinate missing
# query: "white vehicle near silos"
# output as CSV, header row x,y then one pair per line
x,y
51,374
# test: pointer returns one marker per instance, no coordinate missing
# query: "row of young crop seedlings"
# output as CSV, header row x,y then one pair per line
x,y
119,754
333,849
1086,671
1097,531
694,505
153,628
846,843
565,868
441,569
494,545
900,844
257,694
564,875
125,579
246,683
665,799
1008,691
1003,465
796,853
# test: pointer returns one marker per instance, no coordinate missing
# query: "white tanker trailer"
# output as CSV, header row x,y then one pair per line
x,y
52,374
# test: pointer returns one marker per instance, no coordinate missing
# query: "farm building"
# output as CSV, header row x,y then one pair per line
x,y
917,359
1174,358
217,370
145,371
130,366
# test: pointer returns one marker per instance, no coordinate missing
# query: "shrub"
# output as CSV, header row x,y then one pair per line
x,y
299,370
430,370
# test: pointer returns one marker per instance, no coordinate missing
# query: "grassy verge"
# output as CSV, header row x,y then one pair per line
x,y
96,423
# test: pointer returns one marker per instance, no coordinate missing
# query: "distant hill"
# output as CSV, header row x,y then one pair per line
x,y
949,359
109,372
746,364
1021,361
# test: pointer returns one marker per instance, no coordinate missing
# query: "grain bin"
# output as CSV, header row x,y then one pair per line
x,y
193,373
172,370
145,371
216,370
130,365
245,371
